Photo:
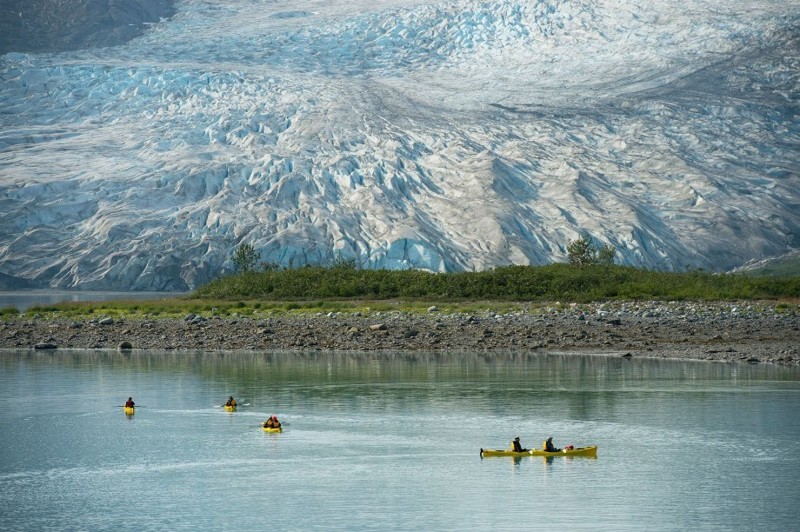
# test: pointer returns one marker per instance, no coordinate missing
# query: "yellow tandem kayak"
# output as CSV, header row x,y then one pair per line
x,y
577,451
271,429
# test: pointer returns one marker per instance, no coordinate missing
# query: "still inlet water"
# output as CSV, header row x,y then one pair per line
x,y
391,442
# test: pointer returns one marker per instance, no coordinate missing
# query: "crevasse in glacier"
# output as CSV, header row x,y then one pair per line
x,y
447,135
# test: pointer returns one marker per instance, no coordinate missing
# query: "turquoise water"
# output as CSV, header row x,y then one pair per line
x,y
392,442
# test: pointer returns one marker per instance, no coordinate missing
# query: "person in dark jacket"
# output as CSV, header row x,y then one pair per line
x,y
549,447
516,446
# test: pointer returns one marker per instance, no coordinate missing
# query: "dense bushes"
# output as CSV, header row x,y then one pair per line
x,y
514,283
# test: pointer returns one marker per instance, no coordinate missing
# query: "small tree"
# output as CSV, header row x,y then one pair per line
x,y
582,252
245,258
340,262
605,255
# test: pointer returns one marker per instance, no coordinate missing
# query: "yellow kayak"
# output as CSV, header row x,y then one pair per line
x,y
271,429
503,452
129,410
577,451
230,408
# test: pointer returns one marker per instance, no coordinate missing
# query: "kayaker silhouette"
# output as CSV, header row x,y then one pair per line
x,y
129,403
516,446
231,401
549,447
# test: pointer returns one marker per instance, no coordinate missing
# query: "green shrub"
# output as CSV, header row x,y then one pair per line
x,y
589,282
583,252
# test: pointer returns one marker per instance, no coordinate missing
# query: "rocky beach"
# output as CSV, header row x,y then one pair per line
x,y
737,332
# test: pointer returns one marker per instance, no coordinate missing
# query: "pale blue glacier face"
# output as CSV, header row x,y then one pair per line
x,y
444,135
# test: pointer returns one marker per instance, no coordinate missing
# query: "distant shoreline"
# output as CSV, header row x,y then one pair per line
x,y
23,300
44,26
718,332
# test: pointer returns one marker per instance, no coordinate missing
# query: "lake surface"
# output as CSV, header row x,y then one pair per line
x,y
24,299
392,442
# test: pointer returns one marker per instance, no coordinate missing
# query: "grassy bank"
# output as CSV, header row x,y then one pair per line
x,y
556,282
180,307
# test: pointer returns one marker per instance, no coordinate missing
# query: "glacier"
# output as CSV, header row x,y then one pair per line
x,y
446,135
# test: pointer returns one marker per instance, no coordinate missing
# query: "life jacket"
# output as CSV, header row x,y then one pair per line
x,y
129,404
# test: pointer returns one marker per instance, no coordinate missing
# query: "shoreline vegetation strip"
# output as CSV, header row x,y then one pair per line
x,y
513,288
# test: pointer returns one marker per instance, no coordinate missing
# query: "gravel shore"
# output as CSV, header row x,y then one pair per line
x,y
748,332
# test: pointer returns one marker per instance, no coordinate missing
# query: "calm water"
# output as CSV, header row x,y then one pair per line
x,y
25,299
392,442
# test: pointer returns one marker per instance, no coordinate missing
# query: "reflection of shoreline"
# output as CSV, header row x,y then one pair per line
x,y
395,372
22,300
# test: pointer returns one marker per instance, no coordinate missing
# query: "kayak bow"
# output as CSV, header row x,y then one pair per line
x,y
129,410
271,429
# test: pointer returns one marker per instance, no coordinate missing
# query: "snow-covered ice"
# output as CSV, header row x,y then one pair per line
x,y
447,135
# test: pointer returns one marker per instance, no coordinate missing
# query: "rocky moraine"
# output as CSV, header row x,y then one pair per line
x,y
750,332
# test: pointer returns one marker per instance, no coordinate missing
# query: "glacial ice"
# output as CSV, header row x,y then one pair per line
x,y
446,135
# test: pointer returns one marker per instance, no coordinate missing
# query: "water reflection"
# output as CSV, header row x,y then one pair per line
x,y
391,440
580,387
514,374
558,370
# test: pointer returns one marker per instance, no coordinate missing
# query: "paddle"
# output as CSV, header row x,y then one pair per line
x,y
134,406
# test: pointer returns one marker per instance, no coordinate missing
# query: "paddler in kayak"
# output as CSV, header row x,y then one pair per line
x,y
129,403
231,401
549,447
516,446
272,423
